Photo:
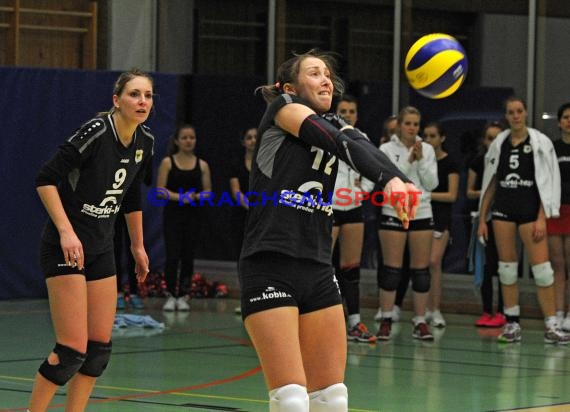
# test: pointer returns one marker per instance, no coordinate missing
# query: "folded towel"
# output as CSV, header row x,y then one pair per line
x,y
142,321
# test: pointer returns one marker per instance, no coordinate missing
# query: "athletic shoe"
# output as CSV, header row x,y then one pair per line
x,y
566,323
421,331
555,335
360,333
437,319
428,316
385,330
396,313
498,320
170,305
484,320
511,333
378,316
120,302
182,303
560,316
136,302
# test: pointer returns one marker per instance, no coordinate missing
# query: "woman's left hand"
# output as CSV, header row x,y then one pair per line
x,y
141,263
539,229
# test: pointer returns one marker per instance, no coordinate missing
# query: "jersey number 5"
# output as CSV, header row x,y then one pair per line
x,y
514,161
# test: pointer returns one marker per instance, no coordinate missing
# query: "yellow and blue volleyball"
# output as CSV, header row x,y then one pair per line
x,y
436,65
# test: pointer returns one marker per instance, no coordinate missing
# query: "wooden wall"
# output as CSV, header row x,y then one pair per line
x,y
49,34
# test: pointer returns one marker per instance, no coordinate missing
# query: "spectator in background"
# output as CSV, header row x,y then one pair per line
x,y
489,318
521,189
239,186
442,199
348,230
389,128
184,177
559,228
416,160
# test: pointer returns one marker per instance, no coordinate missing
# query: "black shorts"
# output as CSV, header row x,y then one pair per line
x,y
441,219
270,280
97,267
393,223
519,219
343,217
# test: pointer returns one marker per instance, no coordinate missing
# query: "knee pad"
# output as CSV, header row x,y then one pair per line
x,y
508,272
98,355
421,280
289,398
352,274
70,362
331,399
543,274
390,278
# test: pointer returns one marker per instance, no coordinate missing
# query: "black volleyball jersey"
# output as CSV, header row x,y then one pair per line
x,y
290,186
516,187
95,175
563,154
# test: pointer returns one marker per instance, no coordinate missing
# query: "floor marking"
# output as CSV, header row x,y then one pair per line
x,y
150,393
561,407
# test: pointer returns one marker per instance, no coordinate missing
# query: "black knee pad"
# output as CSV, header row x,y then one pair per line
x,y
351,275
390,278
70,362
98,355
421,280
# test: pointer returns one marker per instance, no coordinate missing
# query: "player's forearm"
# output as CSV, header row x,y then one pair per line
x,y
49,196
135,227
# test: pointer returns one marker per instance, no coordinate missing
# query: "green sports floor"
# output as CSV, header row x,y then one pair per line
x,y
203,361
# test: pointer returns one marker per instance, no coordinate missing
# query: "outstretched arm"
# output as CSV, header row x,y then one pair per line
x,y
353,148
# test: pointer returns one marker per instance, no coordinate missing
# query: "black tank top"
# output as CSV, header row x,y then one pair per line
x,y
181,181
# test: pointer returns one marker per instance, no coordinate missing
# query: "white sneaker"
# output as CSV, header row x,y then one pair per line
x,y
428,316
378,316
559,317
566,323
396,312
182,303
170,305
556,336
437,319
511,333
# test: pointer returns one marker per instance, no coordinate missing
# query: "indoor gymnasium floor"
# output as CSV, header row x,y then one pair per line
x,y
202,361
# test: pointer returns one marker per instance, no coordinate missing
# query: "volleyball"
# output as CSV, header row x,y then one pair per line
x,y
436,65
